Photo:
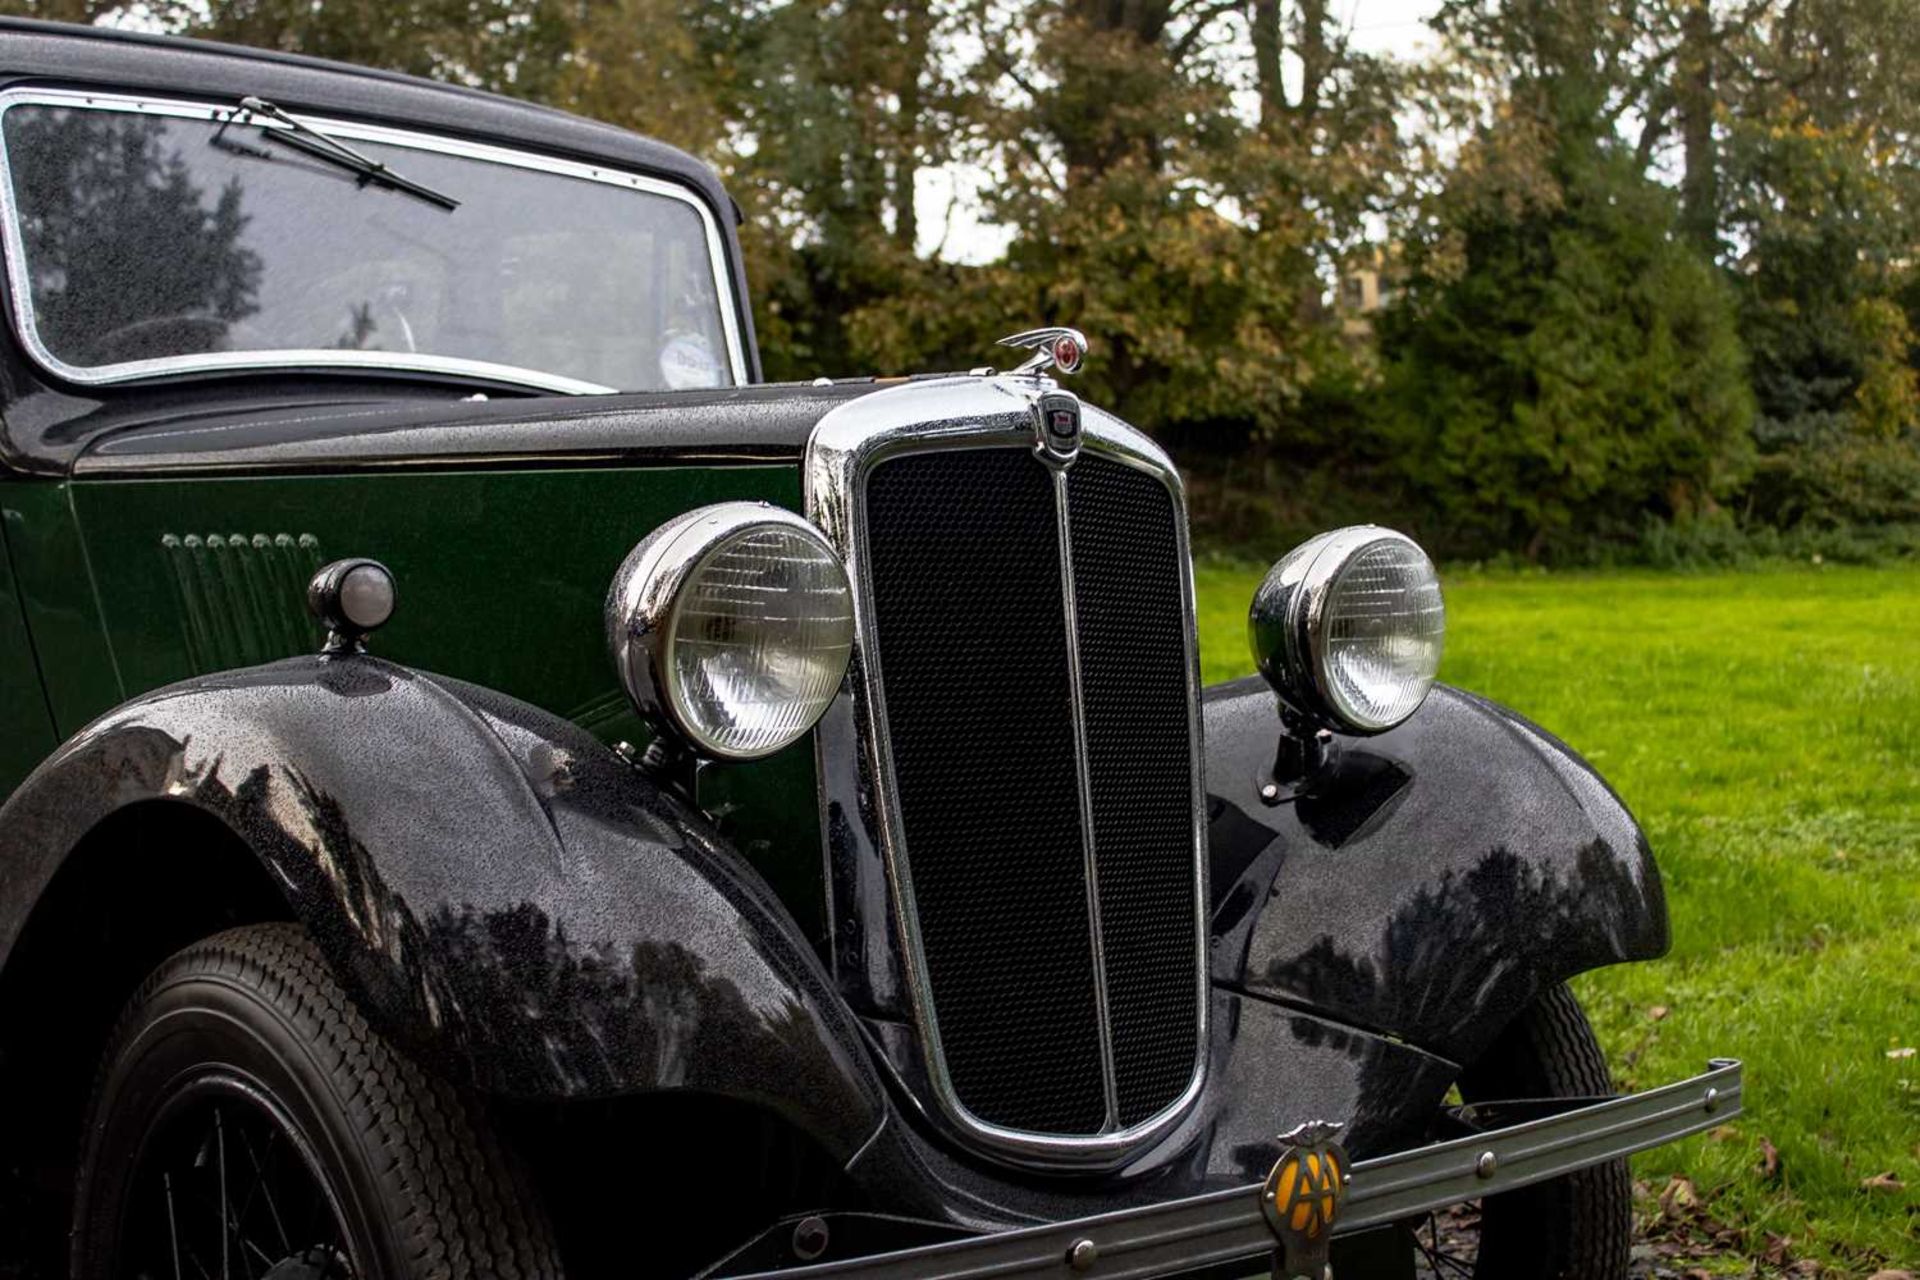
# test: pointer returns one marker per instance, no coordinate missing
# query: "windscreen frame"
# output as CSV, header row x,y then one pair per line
x,y
20,301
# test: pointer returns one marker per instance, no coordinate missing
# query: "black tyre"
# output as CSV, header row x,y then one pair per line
x,y
1579,1227
247,1122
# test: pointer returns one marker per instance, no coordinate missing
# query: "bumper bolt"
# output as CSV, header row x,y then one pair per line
x,y
810,1238
1083,1254
1487,1164
1713,1100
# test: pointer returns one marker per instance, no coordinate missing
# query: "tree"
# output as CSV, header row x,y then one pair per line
x,y
828,110
507,46
1831,346
1601,209
1562,365
1190,237
1799,133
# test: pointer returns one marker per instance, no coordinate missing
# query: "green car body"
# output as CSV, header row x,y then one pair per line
x,y
131,584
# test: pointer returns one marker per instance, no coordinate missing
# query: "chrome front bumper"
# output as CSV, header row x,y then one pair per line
x,y
1226,1227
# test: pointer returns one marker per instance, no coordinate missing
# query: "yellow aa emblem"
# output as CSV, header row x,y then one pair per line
x,y
1302,1196
1305,1190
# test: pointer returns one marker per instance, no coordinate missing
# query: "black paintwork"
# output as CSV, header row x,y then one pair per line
x,y
1431,880
519,905
503,893
765,423
280,425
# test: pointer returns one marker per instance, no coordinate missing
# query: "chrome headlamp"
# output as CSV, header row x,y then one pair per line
x,y
731,627
1348,628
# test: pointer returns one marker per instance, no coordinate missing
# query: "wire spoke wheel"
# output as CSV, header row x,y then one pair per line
x,y
224,1188
247,1124
1446,1244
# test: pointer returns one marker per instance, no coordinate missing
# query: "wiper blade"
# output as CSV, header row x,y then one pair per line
x,y
303,137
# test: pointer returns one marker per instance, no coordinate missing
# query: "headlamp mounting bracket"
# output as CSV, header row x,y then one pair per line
x,y
1300,756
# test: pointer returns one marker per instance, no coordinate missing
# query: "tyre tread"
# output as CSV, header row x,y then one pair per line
x,y
1578,1227
457,1208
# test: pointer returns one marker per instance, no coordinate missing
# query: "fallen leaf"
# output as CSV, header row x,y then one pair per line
x,y
1891,1275
1769,1159
1722,1133
1658,1012
1680,1194
1888,1181
1902,1053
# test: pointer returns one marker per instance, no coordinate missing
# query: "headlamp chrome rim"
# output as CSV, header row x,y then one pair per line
x,y
1287,625
643,605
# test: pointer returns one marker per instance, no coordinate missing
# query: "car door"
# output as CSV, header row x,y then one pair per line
x,y
26,727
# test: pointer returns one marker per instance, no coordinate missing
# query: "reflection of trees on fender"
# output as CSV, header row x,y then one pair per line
x,y
553,1012
606,1014
127,256
1429,962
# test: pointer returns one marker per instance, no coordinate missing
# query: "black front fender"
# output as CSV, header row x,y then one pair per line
x,y
1432,881
499,891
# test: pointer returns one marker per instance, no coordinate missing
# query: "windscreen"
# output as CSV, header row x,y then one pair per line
x,y
148,241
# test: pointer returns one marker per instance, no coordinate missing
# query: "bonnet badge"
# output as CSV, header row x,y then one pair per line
x,y
1059,434
1302,1197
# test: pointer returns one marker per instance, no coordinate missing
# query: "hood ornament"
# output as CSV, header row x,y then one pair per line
x,y
1057,348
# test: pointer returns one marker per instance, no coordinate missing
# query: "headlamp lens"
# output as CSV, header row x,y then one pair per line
x,y
758,639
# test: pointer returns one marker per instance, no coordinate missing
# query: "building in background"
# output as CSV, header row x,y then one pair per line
x,y
1366,284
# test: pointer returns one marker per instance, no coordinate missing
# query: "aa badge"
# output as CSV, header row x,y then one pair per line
x,y
1301,1199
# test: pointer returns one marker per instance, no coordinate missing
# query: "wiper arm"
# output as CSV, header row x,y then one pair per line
x,y
304,138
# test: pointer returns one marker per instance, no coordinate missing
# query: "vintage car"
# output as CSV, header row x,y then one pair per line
x,y
495,789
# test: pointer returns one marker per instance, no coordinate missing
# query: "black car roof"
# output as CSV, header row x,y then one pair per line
x,y
57,52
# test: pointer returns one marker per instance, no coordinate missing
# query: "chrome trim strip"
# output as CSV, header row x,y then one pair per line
x,y
330,358
1219,1227
966,413
1082,766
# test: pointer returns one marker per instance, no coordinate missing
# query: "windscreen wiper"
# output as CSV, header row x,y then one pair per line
x,y
304,138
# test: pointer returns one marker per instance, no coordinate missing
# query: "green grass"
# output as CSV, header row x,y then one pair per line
x,y
1765,729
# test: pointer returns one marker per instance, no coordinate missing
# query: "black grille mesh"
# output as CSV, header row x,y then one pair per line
x,y
1130,602
971,634
965,563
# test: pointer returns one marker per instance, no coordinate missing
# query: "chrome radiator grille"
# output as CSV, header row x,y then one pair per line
x,y
1130,609
1031,677
973,644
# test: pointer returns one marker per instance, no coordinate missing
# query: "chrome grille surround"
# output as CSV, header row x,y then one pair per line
x,y
975,412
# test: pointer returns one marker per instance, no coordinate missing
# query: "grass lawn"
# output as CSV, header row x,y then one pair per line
x,y
1765,729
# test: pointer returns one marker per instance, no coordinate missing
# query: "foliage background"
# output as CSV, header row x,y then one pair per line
x,y
1649,262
